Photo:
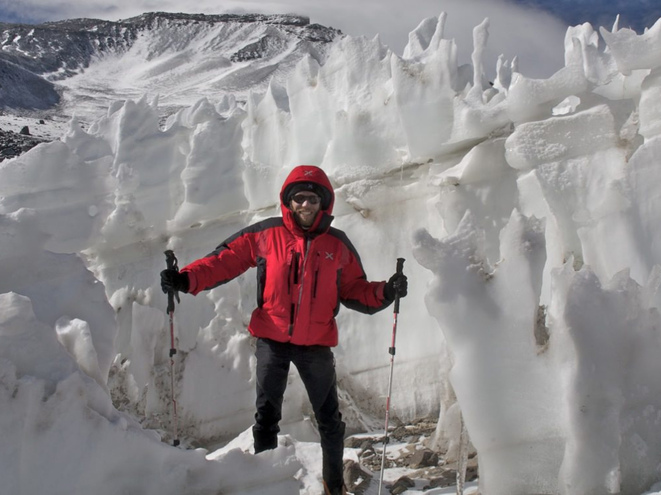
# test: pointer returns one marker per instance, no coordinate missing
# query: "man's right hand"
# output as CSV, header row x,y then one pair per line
x,y
174,281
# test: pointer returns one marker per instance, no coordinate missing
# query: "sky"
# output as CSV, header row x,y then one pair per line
x,y
540,24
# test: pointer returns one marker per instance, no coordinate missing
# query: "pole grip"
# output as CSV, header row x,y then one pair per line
x,y
171,260
172,264
400,270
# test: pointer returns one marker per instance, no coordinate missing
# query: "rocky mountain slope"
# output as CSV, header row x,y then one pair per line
x,y
80,65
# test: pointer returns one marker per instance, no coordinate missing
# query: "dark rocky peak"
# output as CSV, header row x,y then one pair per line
x,y
60,48
150,18
296,25
96,26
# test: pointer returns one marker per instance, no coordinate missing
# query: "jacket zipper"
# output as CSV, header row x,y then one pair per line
x,y
294,307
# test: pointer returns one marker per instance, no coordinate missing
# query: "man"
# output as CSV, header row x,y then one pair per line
x,y
305,269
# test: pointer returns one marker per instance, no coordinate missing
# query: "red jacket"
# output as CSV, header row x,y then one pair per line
x,y
302,276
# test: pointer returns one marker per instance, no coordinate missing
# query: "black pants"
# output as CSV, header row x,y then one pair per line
x,y
316,366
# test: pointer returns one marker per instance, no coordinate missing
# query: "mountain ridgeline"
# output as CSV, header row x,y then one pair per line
x,y
35,60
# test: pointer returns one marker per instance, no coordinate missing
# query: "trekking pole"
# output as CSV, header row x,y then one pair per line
x,y
400,268
171,262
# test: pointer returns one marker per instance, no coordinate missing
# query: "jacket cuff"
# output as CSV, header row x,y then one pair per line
x,y
192,282
380,291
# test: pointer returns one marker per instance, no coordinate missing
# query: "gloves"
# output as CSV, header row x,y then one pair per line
x,y
397,286
172,280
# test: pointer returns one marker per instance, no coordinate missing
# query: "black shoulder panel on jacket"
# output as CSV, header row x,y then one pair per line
x,y
361,308
269,223
338,234
350,303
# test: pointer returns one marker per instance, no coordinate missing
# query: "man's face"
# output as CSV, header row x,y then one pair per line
x,y
305,206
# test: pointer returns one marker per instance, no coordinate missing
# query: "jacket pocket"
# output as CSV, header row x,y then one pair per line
x,y
338,284
261,281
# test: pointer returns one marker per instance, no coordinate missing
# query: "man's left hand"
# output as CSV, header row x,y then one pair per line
x,y
397,286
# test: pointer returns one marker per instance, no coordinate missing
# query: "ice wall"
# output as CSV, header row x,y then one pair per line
x,y
529,206
61,432
550,323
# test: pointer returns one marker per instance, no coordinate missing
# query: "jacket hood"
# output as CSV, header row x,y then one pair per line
x,y
314,175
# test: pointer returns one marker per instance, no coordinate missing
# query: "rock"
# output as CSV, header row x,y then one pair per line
x,y
400,432
401,485
354,442
356,478
423,458
25,130
425,468
471,473
448,478
13,144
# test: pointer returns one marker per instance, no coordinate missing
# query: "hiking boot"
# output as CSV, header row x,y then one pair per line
x,y
340,490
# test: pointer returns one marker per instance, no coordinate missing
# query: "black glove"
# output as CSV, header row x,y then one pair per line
x,y
397,286
172,280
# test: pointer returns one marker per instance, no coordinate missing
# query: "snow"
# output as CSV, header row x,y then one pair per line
x,y
527,211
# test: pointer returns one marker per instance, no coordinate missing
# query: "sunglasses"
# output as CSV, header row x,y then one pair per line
x,y
302,198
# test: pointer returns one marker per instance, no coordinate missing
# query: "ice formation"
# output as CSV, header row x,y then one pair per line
x,y
527,210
